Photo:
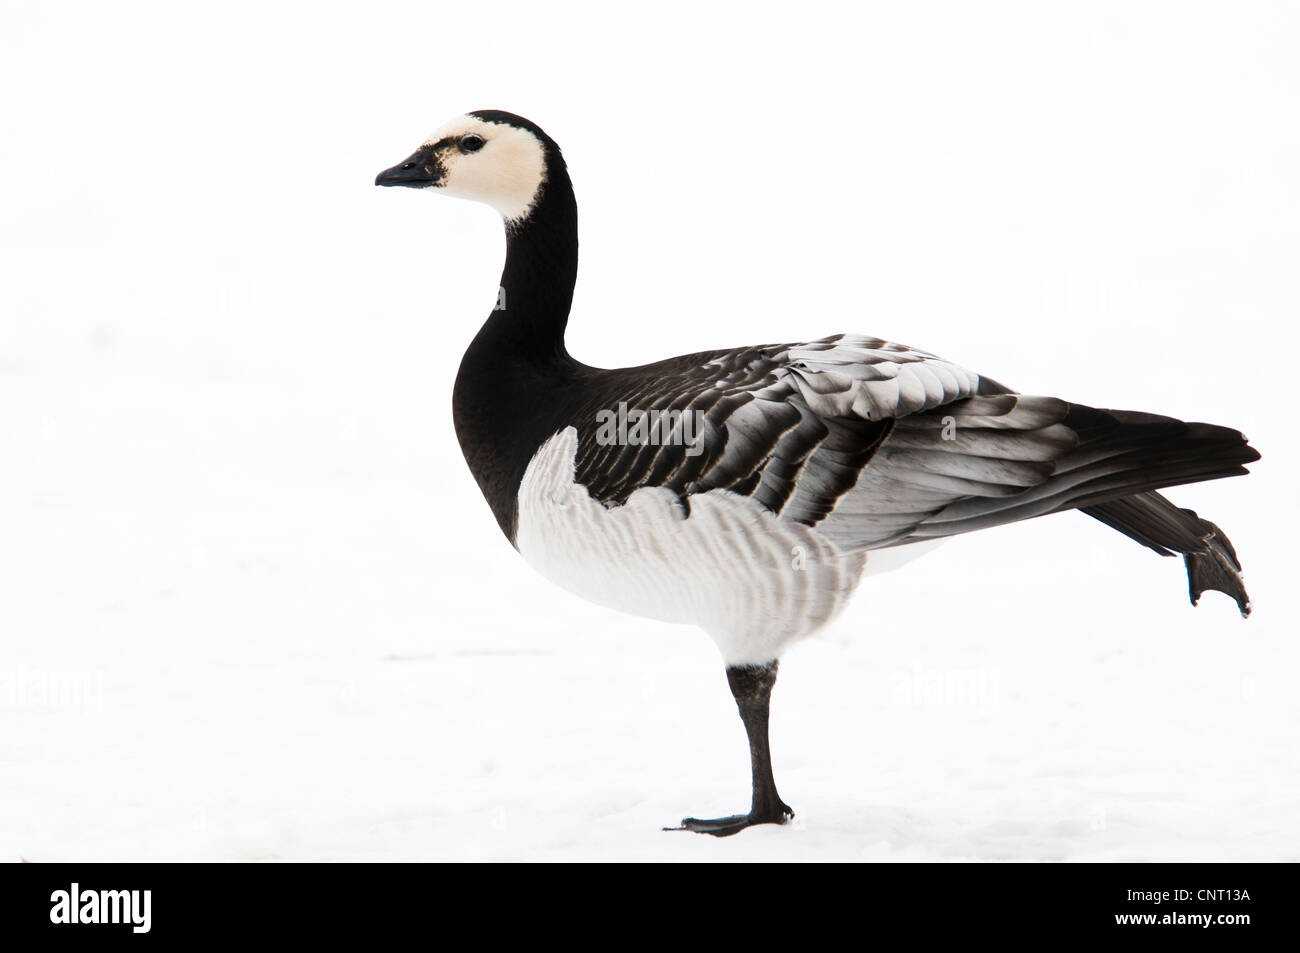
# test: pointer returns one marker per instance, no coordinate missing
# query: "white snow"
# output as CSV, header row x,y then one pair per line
x,y
252,606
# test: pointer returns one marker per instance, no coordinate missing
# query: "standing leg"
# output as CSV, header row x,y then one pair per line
x,y
752,687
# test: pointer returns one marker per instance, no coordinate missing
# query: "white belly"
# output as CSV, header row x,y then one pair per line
x,y
754,582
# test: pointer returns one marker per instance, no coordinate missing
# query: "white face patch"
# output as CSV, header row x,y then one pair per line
x,y
507,173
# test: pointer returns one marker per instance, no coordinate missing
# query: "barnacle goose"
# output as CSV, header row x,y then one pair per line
x,y
745,491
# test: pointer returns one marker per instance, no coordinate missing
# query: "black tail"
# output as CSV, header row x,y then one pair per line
x,y
1017,457
1158,524
1124,452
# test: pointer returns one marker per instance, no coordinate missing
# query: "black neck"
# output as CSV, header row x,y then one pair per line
x,y
537,281
516,376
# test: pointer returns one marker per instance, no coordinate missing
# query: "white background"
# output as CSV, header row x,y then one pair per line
x,y
252,605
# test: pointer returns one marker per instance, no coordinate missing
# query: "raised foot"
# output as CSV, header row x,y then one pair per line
x,y
726,826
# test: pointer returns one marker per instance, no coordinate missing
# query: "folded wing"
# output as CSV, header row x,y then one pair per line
x,y
878,444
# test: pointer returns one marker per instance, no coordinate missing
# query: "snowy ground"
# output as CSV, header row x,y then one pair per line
x,y
252,606
247,636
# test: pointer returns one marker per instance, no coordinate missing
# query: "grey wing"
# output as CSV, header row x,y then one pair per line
x,y
988,460
879,444
791,425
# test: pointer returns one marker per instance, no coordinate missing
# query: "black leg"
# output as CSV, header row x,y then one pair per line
x,y
752,687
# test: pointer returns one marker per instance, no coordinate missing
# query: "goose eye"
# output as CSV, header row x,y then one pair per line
x,y
471,143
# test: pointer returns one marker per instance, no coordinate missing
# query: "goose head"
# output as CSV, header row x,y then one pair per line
x,y
489,156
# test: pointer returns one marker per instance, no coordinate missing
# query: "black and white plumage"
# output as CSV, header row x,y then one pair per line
x,y
762,482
